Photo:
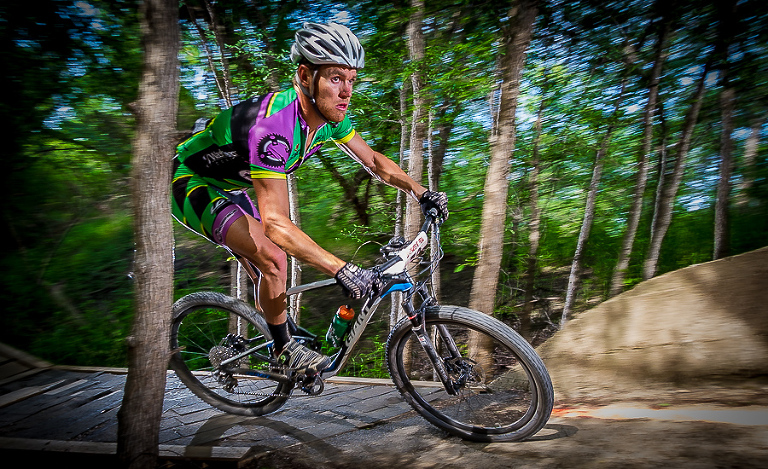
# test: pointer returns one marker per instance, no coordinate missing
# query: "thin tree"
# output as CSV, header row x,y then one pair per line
x,y
534,225
397,297
148,351
641,175
663,216
727,26
516,37
589,209
418,120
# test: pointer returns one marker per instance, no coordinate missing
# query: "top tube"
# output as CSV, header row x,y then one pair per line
x,y
417,244
311,286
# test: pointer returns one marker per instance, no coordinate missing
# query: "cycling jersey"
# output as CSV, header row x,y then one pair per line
x,y
263,137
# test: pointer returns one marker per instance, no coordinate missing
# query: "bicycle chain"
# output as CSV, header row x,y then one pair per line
x,y
298,385
219,353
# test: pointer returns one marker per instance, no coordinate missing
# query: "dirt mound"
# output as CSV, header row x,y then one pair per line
x,y
697,333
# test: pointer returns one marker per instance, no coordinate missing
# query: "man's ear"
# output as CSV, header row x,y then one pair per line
x,y
305,75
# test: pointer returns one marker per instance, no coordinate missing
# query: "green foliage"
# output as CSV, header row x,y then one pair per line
x,y
71,302
371,362
65,271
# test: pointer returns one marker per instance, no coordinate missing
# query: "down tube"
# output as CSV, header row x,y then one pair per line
x,y
355,331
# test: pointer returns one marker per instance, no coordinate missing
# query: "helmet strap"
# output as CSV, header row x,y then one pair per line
x,y
309,94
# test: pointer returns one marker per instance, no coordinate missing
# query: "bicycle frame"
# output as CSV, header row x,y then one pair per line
x,y
394,273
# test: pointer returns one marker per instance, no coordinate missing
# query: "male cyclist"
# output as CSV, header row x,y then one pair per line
x,y
255,144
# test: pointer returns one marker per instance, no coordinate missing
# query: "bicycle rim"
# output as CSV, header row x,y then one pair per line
x,y
205,331
503,391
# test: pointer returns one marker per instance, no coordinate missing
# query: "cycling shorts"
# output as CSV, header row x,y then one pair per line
x,y
204,208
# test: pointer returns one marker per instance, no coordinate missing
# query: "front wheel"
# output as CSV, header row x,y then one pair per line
x,y
210,328
501,390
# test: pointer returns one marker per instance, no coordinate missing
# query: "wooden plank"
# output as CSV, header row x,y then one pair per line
x,y
26,359
218,453
12,368
30,444
25,393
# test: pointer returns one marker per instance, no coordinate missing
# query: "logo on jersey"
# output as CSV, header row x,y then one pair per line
x,y
274,150
218,157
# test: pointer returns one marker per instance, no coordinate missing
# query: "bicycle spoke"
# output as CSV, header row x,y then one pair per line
x,y
498,393
205,339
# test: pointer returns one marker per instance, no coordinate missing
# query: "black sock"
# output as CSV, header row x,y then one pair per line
x,y
280,335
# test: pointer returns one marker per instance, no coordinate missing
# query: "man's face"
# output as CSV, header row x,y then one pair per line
x,y
334,90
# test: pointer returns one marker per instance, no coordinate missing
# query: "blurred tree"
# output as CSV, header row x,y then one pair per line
x,y
661,23
663,216
515,39
154,145
727,22
418,137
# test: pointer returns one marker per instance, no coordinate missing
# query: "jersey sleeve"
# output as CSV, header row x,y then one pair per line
x,y
270,144
343,132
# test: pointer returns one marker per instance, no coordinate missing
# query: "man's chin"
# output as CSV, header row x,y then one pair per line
x,y
335,116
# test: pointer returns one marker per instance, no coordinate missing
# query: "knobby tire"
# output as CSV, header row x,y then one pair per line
x,y
503,394
201,321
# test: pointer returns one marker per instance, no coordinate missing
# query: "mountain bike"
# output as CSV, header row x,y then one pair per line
x,y
462,370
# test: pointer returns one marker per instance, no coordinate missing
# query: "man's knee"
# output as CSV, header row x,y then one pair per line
x,y
272,261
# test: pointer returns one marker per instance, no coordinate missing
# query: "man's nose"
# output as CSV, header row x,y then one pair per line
x,y
346,90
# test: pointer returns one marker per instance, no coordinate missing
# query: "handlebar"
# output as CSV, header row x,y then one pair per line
x,y
402,252
398,253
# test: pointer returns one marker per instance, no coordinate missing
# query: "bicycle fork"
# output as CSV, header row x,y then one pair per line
x,y
419,329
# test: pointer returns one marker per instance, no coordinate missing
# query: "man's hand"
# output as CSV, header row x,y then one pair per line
x,y
436,200
357,282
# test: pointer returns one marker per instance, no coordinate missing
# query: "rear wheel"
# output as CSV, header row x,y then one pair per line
x,y
502,389
209,328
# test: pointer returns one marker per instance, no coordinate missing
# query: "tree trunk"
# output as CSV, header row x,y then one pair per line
x,y
586,226
412,221
722,202
663,217
726,29
397,297
661,166
636,209
534,230
418,124
516,38
148,352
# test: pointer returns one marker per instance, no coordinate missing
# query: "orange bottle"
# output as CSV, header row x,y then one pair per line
x,y
340,325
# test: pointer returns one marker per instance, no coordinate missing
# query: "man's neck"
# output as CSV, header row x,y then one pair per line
x,y
308,111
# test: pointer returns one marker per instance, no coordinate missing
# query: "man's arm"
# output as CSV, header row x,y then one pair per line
x,y
382,167
272,197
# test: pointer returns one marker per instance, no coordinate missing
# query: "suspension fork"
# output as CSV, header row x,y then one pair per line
x,y
419,328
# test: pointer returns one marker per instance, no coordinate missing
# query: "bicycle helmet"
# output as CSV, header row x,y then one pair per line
x,y
322,44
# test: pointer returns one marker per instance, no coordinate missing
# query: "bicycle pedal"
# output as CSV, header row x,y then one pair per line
x,y
313,385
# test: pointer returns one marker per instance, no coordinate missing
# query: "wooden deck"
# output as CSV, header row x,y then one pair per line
x,y
56,410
